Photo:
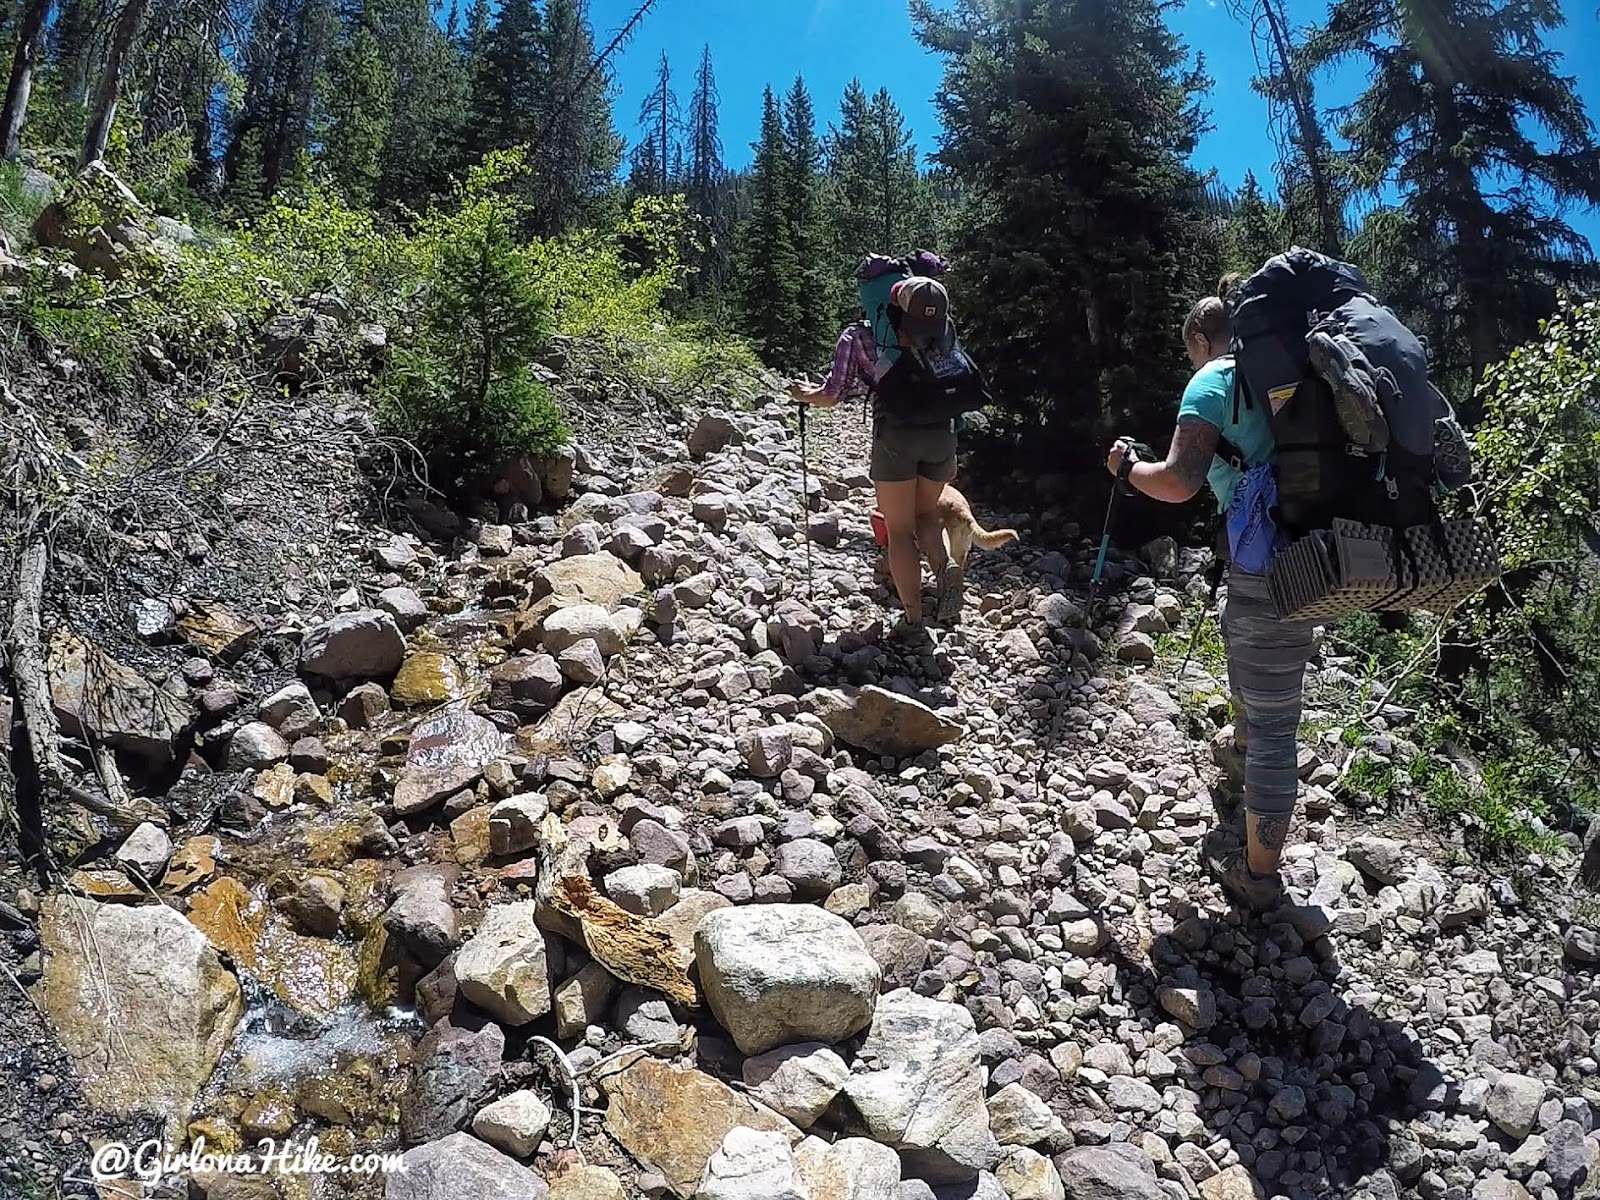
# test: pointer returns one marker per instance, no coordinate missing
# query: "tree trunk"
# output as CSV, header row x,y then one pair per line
x,y
34,15
1312,141
105,95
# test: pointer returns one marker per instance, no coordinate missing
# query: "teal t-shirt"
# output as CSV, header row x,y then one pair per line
x,y
1209,396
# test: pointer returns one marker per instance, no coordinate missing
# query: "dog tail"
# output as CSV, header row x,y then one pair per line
x,y
992,540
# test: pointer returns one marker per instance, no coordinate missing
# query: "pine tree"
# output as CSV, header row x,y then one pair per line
x,y
703,185
507,82
1460,90
1071,124
359,99
430,95
802,205
768,268
876,199
575,152
1255,228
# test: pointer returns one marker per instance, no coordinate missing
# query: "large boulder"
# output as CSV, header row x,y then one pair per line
x,y
95,695
503,968
849,1169
775,974
456,1067
460,1167
924,1095
1116,1172
752,1164
602,579
883,722
358,645
713,432
140,1001
583,622
101,223
674,1119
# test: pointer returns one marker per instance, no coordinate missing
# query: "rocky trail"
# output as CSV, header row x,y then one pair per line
x,y
612,803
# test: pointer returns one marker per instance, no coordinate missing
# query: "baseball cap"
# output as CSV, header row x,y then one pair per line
x,y
924,308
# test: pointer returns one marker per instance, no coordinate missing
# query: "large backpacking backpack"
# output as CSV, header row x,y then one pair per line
x,y
927,386
1365,445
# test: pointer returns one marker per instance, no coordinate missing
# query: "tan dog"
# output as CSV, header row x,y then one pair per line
x,y
961,528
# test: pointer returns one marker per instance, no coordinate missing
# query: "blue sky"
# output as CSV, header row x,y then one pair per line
x,y
759,42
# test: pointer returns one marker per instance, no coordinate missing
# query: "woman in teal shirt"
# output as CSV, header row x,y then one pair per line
x,y
1267,656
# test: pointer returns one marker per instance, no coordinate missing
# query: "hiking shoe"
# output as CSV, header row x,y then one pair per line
x,y
1258,893
1452,454
952,591
1350,377
910,634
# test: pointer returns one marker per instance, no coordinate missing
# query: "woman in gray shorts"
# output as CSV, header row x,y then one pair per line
x,y
910,464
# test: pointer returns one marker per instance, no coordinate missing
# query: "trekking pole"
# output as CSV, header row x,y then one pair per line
x,y
1137,451
805,503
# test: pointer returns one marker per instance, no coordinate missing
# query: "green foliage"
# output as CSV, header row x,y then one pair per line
x,y
1083,239
360,103
17,209
460,389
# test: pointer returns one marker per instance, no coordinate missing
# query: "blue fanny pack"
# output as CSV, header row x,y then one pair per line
x,y
1253,536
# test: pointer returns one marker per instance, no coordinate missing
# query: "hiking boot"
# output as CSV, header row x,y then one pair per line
x,y
1452,454
952,591
1349,376
910,634
1258,893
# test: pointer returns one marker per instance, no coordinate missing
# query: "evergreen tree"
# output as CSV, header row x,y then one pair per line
x,y
1255,228
1070,124
430,95
507,82
768,267
807,231
575,152
359,97
1459,91
703,184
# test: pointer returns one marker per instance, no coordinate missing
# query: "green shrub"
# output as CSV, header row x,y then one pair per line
x,y
460,388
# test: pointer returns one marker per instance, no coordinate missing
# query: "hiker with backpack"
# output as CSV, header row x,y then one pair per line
x,y
1311,416
1232,451
907,358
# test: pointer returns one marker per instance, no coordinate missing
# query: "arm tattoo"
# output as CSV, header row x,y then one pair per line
x,y
1272,831
1194,444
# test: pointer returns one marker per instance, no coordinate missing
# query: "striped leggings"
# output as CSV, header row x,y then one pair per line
x,y
1267,660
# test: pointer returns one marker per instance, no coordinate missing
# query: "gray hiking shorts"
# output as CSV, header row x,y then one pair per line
x,y
901,453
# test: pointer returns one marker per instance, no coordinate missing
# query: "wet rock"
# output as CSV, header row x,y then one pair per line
x,y
421,915
405,606
925,1096
366,644
751,1165
883,722
291,711
461,1167
363,704
503,968
515,1123
454,739
94,694
457,1066
316,905
139,1000
798,1082
426,678
673,1119
146,851
774,974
